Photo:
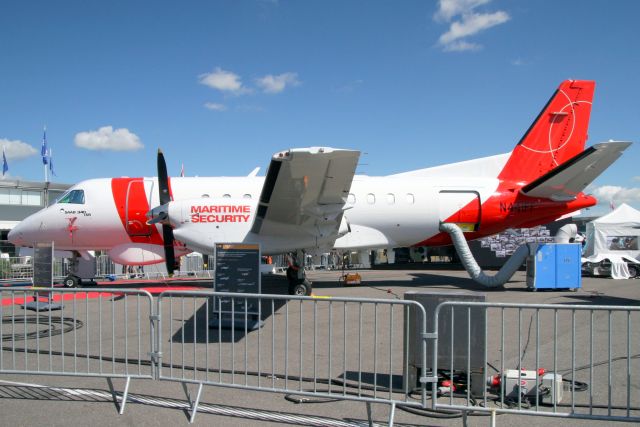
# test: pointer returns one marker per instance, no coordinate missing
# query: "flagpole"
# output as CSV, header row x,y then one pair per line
x,y
44,152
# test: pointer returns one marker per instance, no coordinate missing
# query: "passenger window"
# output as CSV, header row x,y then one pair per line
x,y
371,198
226,196
410,198
75,197
246,196
351,198
391,198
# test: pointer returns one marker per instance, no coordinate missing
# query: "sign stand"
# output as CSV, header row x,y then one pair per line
x,y
42,278
237,269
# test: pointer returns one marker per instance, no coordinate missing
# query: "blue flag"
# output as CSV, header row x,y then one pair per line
x,y
51,163
5,165
44,151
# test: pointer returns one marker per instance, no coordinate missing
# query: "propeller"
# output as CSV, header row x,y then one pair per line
x,y
161,214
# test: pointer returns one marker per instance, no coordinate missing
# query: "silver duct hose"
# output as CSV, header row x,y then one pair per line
x,y
566,234
501,277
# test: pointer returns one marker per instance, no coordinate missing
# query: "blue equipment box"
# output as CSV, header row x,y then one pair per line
x,y
555,266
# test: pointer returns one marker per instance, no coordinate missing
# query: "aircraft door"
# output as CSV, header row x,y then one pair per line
x,y
461,208
137,205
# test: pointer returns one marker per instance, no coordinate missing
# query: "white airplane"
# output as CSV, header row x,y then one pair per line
x,y
311,199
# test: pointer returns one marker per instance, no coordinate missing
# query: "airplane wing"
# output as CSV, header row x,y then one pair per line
x,y
305,191
564,182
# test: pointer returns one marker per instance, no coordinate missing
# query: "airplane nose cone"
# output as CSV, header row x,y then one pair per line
x,y
24,233
15,236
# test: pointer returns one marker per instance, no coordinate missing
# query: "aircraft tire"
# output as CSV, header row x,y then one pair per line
x,y
301,289
72,281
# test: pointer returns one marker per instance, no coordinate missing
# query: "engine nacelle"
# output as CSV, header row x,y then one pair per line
x,y
201,223
137,254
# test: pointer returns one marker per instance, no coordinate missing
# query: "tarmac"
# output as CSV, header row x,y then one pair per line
x,y
80,401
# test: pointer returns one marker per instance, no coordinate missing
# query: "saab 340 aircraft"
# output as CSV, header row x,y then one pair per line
x,y
311,199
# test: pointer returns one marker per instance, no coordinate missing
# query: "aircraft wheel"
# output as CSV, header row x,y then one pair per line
x,y
301,289
72,281
633,272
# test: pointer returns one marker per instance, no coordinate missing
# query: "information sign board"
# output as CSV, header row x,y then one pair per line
x,y
237,269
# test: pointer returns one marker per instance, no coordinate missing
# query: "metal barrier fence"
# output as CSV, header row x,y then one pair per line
x,y
342,348
593,348
78,332
19,270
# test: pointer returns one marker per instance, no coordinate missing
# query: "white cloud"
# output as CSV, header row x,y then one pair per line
x,y
617,194
17,150
636,178
450,8
106,138
468,23
461,46
215,107
276,84
224,81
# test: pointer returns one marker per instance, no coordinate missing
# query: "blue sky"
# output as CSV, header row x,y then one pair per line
x,y
222,85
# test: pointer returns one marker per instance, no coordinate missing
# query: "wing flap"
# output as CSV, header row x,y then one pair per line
x,y
564,182
304,192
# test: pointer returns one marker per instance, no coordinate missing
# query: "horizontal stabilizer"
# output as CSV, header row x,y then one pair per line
x,y
564,182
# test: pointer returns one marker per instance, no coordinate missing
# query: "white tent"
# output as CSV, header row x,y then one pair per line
x,y
614,236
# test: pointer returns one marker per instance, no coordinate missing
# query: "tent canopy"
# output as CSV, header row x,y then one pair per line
x,y
615,235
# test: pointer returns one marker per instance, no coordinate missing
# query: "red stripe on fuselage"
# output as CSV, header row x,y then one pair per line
x,y
511,209
133,214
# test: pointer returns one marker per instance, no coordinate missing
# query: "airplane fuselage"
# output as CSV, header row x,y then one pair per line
x,y
312,199
381,212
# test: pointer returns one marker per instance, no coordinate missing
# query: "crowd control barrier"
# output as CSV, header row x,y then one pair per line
x,y
78,332
574,361
342,348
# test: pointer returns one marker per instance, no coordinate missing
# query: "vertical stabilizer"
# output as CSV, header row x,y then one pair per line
x,y
558,133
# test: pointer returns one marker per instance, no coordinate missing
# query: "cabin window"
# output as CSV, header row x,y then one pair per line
x,y
391,198
410,198
75,197
246,196
371,198
226,196
351,199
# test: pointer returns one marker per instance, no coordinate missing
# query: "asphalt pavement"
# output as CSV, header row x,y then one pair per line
x,y
79,401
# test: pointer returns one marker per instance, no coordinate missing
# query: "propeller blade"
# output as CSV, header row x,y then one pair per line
x,y
163,179
165,198
169,253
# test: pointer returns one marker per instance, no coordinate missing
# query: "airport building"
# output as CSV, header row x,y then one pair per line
x,y
18,200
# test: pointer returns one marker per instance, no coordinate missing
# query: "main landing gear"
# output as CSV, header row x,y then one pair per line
x,y
298,283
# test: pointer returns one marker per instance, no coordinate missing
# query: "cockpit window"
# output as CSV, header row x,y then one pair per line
x,y
74,196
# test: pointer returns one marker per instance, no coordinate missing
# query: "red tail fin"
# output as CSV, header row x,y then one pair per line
x,y
558,133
